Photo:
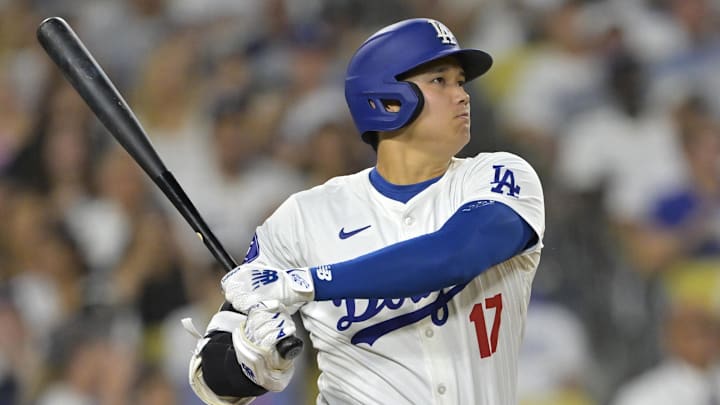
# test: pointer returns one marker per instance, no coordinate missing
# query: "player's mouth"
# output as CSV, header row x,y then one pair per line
x,y
464,116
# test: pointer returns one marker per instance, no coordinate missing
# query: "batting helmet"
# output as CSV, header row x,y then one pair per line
x,y
372,74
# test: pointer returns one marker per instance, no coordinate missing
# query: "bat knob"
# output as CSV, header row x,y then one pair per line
x,y
289,347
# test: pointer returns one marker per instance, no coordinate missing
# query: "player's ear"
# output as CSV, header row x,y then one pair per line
x,y
391,106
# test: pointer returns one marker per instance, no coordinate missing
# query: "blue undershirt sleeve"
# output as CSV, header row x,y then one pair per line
x,y
477,236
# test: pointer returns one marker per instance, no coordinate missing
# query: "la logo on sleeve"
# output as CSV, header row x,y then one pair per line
x,y
504,177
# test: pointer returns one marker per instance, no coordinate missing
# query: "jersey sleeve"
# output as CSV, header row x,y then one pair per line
x,y
509,179
275,243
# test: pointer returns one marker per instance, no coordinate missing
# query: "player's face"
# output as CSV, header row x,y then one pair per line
x,y
444,122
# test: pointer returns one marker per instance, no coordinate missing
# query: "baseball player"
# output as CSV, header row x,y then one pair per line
x,y
413,276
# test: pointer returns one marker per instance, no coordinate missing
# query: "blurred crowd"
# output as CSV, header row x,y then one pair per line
x,y
616,103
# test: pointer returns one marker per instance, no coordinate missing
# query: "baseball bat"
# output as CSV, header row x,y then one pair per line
x,y
90,81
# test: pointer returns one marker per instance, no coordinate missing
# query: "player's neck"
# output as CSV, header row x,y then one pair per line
x,y
409,166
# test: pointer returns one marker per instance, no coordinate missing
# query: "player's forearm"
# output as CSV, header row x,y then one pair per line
x,y
478,236
222,372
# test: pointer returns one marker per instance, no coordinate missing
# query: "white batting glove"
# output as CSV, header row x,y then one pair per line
x,y
255,347
245,287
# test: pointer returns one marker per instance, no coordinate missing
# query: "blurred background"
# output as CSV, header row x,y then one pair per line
x,y
614,102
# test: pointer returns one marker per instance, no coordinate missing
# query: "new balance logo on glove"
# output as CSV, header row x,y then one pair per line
x,y
263,277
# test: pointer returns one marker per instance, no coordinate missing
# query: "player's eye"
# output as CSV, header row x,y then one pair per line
x,y
438,80
461,83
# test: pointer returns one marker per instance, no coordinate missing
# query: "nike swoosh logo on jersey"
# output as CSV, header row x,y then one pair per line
x,y
345,235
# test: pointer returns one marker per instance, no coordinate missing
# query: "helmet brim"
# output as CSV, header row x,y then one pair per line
x,y
474,62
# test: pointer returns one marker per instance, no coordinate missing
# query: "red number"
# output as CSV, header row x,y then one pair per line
x,y
487,346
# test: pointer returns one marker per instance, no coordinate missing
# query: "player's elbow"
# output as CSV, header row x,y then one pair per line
x,y
466,262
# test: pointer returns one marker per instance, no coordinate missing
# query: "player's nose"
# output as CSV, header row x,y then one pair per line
x,y
462,96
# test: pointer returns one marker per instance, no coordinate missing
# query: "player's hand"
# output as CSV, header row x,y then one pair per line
x,y
255,346
257,366
244,287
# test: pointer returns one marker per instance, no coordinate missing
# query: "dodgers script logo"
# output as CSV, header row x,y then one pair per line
x,y
437,311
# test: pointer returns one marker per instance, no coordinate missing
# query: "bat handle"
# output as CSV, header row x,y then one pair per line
x,y
175,193
289,347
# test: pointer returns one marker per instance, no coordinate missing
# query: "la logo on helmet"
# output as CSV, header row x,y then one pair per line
x,y
443,32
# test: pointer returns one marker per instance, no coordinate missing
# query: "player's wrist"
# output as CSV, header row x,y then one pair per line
x,y
300,286
215,380
245,287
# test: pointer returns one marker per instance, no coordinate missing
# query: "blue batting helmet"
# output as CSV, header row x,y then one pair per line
x,y
372,74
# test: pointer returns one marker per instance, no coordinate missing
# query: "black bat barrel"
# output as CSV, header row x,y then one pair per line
x,y
90,81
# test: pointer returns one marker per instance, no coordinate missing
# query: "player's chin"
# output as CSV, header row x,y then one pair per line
x,y
462,130
460,139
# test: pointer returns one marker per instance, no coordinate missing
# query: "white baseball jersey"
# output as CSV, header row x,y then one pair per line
x,y
455,346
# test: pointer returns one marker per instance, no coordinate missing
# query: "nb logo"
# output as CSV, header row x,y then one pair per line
x,y
324,273
443,32
248,371
504,178
263,277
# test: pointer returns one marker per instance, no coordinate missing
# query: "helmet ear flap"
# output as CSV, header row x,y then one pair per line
x,y
413,99
420,103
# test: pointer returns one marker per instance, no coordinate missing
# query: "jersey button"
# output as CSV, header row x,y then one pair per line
x,y
409,221
441,389
429,332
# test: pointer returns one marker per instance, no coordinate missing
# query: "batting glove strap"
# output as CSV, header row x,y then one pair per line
x,y
225,321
